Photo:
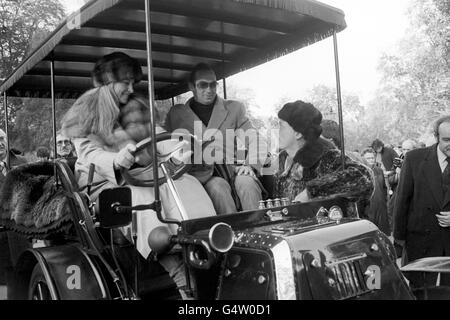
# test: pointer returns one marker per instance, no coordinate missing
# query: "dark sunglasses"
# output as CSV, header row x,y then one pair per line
x,y
203,85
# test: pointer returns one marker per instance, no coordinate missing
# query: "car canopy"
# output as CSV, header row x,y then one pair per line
x,y
230,35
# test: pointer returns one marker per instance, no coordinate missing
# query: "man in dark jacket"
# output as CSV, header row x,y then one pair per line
x,y
219,123
422,207
384,158
376,211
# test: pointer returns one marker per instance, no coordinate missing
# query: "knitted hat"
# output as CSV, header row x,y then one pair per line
x,y
304,118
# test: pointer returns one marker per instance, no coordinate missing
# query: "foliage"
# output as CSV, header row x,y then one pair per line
x,y
354,114
415,88
413,92
24,24
31,131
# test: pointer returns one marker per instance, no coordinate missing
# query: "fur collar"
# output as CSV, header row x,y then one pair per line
x,y
312,152
31,204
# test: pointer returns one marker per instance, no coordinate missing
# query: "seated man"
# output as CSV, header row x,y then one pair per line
x,y
212,119
310,166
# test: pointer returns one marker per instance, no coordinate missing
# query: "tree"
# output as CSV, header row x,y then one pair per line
x,y
31,131
325,99
415,87
24,24
23,21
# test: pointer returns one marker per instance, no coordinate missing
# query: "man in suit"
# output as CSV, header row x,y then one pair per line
x,y
211,118
422,207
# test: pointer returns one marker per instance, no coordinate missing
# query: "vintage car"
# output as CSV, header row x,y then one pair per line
x,y
315,250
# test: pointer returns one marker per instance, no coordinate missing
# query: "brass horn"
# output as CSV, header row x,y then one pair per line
x,y
201,247
202,255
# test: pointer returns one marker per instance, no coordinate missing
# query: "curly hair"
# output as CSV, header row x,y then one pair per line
x,y
95,112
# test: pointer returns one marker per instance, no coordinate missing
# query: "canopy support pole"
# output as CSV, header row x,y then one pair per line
x,y
8,154
151,98
225,94
52,80
339,98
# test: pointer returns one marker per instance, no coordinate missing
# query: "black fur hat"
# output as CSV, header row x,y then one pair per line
x,y
116,66
304,118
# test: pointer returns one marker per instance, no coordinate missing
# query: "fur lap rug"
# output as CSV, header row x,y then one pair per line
x,y
32,205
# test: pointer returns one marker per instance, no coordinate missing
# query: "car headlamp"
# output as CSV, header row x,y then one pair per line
x,y
336,214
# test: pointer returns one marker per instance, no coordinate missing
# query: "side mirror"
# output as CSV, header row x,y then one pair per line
x,y
109,208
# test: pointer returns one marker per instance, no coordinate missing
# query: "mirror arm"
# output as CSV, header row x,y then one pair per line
x,y
155,206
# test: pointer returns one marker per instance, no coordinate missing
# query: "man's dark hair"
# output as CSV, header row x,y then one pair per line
x,y
377,143
438,123
201,67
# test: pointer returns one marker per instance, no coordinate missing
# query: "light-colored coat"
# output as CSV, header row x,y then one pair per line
x,y
92,150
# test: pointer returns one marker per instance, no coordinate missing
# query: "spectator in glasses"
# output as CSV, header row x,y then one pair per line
x,y
64,147
221,125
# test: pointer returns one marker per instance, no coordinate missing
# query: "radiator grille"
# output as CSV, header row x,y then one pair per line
x,y
348,279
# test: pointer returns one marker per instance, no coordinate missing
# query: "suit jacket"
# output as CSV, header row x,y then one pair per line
x,y
387,157
227,115
420,197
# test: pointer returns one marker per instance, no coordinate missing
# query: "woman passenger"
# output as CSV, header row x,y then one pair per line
x,y
105,125
310,167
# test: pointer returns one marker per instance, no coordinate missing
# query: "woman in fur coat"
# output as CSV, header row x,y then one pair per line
x,y
105,124
311,167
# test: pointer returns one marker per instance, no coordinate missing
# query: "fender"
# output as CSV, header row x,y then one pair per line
x,y
69,271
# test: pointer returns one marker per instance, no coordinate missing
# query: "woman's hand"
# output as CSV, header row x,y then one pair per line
x,y
125,158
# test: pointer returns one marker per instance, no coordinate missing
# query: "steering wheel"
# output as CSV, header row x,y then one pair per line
x,y
175,171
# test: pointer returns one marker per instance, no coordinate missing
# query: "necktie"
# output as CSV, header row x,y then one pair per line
x,y
3,168
446,177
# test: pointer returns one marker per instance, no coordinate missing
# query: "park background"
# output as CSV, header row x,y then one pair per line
x,y
394,59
